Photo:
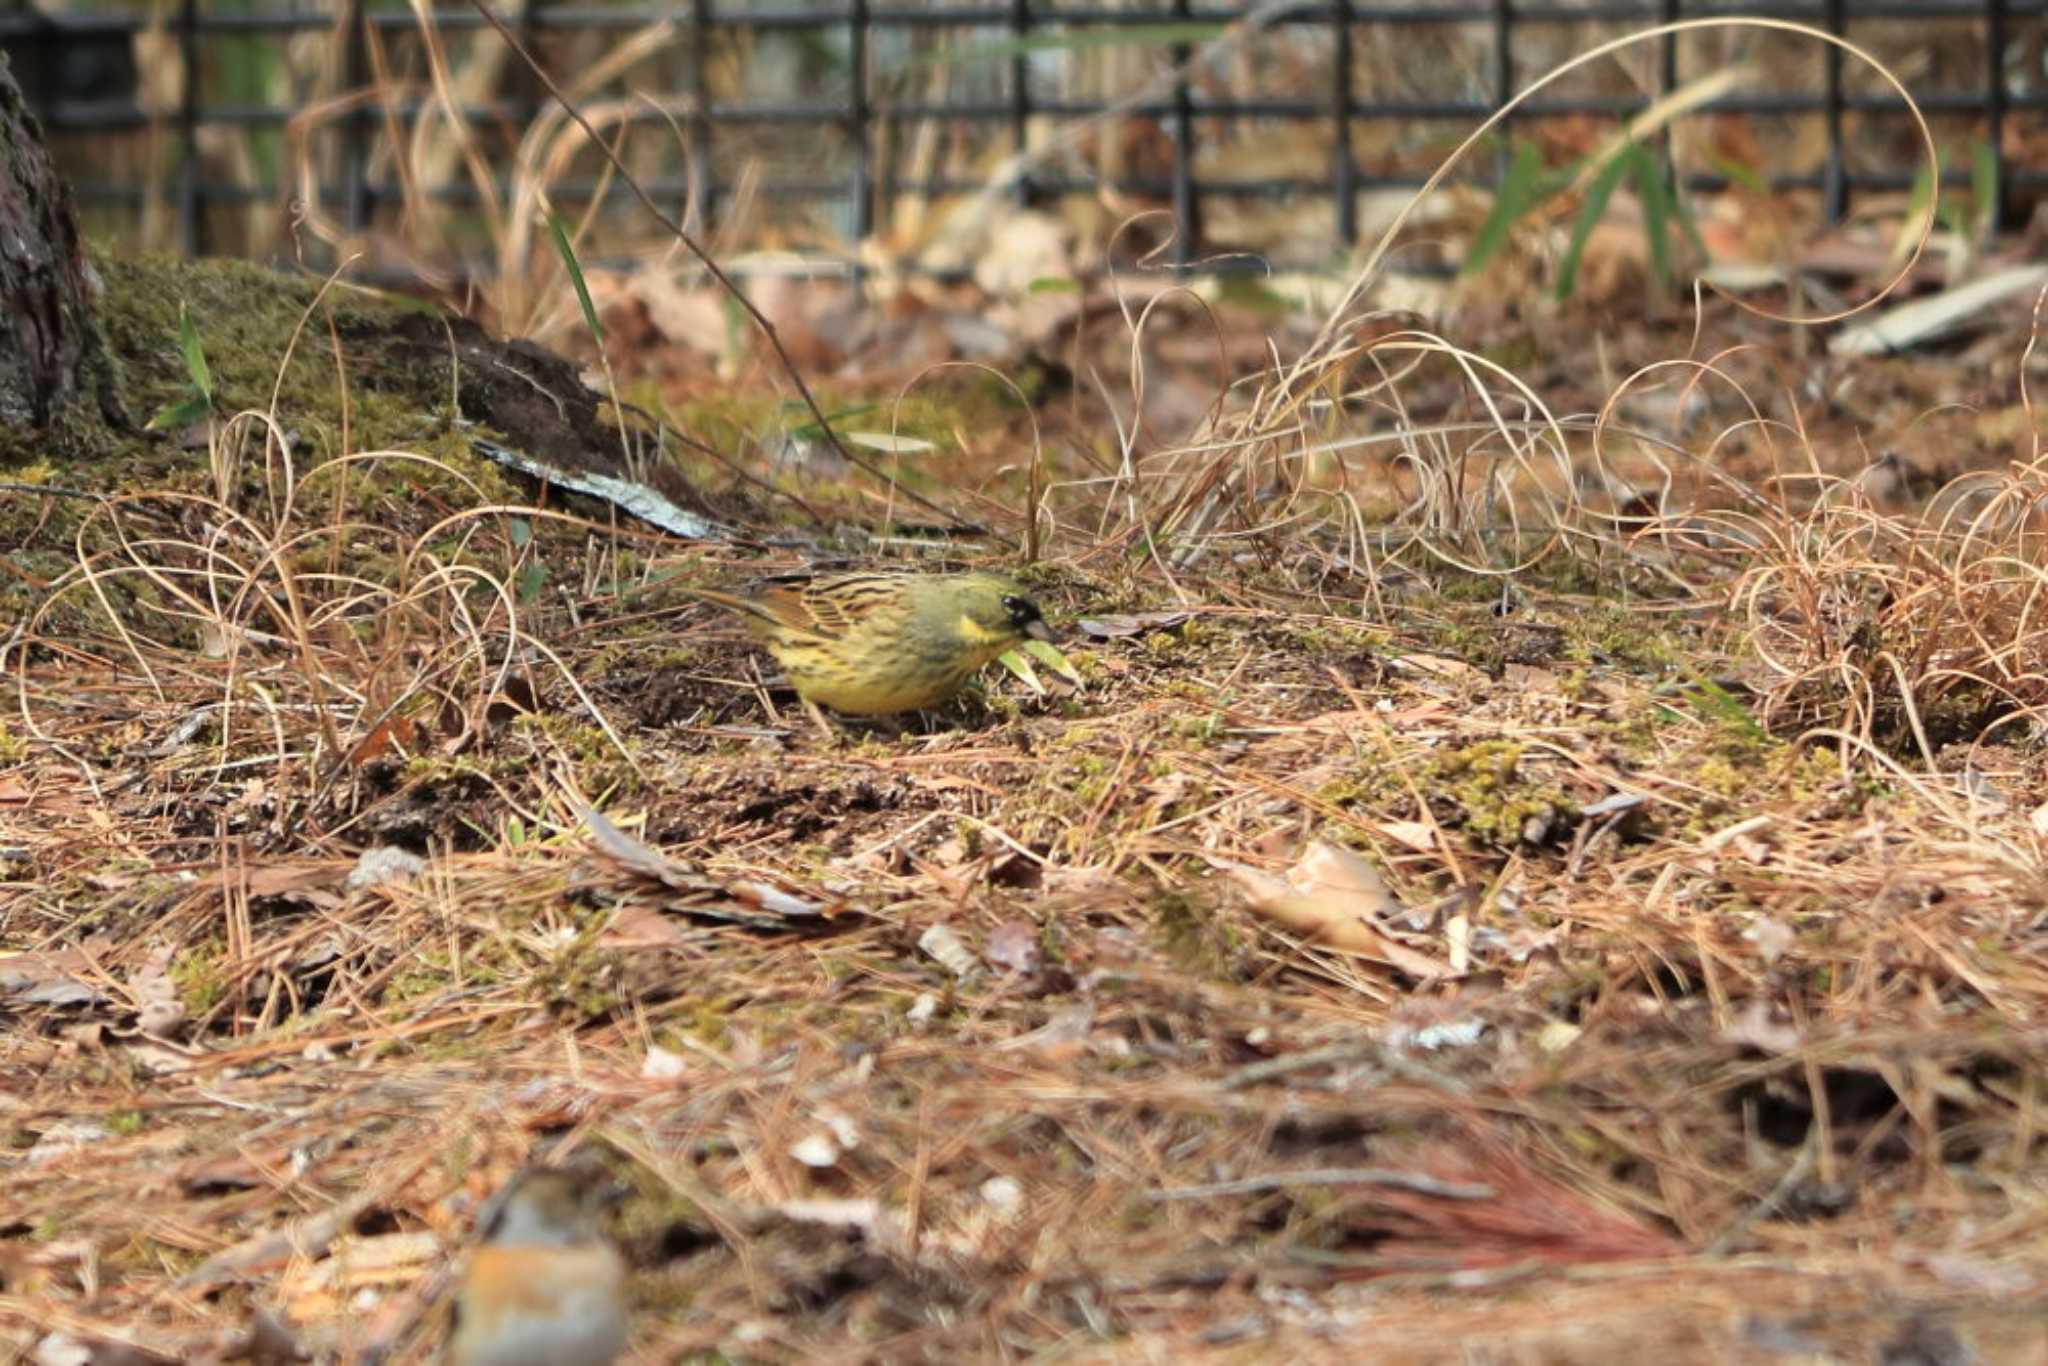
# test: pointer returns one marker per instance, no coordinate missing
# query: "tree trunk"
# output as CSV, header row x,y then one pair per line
x,y
53,358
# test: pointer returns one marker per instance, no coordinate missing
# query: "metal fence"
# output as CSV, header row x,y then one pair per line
x,y
112,75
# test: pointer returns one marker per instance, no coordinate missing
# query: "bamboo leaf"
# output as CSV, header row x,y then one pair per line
x,y
1597,195
1518,193
1051,656
1647,174
1020,666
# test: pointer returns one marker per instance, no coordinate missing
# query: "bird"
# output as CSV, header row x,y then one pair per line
x,y
543,1287
882,643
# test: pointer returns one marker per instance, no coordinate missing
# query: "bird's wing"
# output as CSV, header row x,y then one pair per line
x,y
837,607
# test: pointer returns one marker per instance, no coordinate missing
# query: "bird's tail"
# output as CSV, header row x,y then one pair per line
x,y
752,611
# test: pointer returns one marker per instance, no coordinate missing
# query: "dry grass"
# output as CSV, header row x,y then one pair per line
x,y
1742,1025
1710,779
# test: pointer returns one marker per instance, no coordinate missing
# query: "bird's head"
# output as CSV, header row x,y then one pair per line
x,y
995,609
549,1205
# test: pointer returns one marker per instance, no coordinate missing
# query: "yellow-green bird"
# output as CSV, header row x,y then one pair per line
x,y
875,644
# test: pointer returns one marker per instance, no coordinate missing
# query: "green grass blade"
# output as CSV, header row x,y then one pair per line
x,y
569,263
195,354
1983,190
1516,196
183,413
1646,173
1597,195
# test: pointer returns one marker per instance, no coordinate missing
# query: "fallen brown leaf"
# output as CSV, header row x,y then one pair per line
x,y
1331,896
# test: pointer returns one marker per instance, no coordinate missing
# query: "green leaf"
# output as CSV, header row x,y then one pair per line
x,y
1950,214
183,413
521,531
1983,189
532,579
195,354
1741,173
1053,284
1049,654
811,431
1597,195
1725,707
1020,666
1518,193
1922,193
1647,173
568,255
1251,293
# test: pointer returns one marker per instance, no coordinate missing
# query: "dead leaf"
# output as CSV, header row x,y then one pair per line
x,y
1118,624
642,927
1755,1027
1013,945
295,878
1557,1035
385,863
48,979
1417,835
945,946
160,1013
1771,937
637,855
1062,1037
1529,678
1332,897
1439,665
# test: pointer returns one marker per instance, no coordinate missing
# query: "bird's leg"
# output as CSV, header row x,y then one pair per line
x,y
824,724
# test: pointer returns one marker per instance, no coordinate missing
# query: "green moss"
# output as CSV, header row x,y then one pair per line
x,y
1195,936
1327,639
1613,634
582,982
125,1123
200,975
1485,783
247,318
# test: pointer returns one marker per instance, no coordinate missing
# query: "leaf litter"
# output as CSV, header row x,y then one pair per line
x,y
1361,952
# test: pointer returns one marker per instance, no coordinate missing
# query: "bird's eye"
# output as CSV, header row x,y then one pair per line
x,y
1020,609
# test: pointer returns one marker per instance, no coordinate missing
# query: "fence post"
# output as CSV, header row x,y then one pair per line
x,y
355,183
698,185
1995,102
858,117
1504,78
1344,174
191,189
1020,94
1834,179
1187,224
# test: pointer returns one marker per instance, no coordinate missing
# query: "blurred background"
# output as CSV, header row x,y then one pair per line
x,y
838,135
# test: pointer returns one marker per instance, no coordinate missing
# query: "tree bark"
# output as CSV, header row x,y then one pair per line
x,y
53,357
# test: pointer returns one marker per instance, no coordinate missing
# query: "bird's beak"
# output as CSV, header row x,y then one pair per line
x,y
1038,630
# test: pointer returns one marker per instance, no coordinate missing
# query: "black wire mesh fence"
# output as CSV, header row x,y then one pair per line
x,y
1268,129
